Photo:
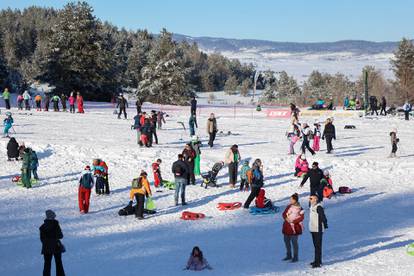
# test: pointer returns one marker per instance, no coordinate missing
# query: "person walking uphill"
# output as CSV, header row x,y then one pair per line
x,y
329,133
123,105
293,217
317,224
232,159
315,175
180,171
84,192
211,129
6,97
140,189
50,236
257,182
189,156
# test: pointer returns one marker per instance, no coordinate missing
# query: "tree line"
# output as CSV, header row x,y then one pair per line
x,y
72,50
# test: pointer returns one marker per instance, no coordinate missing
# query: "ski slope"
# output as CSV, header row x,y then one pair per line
x,y
368,230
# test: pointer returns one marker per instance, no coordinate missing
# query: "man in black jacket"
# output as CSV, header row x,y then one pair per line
x,y
181,172
329,133
315,175
50,235
122,104
383,106
193,106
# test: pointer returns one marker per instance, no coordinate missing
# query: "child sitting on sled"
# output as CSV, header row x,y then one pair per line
x,y
301,166
326,183
262,201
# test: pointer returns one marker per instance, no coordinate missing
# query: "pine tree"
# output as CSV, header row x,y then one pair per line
x,y
231,85
270,91
3,66
403,67
245,87
287,86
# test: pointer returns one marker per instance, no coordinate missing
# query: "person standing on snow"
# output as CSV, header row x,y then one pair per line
x,y
257,182
394,142
293,217
20,102
12,149
6,98
8,124
139,189
329,133
123,105
407,109
315,175
232,159
26,98
244,180
138,104
316,137
55,101
156,170
26,171
189,156
180,170
196,144
72,103
317,224
63,99
84,192
211,129
193,104
100,169
47,101
34,164
153,120
160,119
79,100
50,236
383,106
191,124
38,101
306,134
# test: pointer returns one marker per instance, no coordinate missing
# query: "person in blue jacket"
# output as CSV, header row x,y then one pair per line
x,y
8,123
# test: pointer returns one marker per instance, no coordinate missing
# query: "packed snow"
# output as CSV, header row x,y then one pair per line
x,y
368,229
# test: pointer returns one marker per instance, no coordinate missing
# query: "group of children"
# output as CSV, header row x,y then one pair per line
x,y
146,126
303,131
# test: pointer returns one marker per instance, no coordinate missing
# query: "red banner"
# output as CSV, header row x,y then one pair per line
x,y
278,113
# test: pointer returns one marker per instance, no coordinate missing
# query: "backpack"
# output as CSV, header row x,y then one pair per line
x,y
137,183
344,190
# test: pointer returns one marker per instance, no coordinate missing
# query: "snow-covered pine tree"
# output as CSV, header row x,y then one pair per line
x,y
403,67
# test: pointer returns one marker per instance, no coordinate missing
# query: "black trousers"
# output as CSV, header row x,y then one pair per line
x,y
253,194
212,137
38,104
139,211
48,264
383,109
47,106
374,110
233,166
394,148
154,133
317,243
305,145
406,113
291,240
122,110
26,104
139,110
244,183
72,108
7,102
106,179
329,147
191,175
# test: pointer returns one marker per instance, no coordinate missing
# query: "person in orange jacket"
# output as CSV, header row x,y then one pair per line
x,y
139,189
79,100
38,101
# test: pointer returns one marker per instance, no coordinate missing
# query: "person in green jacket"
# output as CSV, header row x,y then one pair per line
x,y
55,101
26,171
195,143
6,97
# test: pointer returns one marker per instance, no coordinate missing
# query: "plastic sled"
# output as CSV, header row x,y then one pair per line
x,y
263,211
16,178
170,185
191,216
229,206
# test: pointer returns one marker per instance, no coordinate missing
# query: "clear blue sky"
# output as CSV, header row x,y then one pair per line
x,y
277,20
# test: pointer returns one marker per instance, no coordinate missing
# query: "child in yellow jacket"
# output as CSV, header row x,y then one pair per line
x,y
139,189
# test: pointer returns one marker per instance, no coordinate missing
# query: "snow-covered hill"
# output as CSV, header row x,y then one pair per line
x,y
368,229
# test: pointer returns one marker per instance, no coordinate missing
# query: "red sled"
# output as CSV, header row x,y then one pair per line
x,y
229,206
192,216
16,178
344,190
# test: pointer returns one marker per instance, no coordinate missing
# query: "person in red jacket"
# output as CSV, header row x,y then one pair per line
x,y
157,173
292,227
262,201
79,100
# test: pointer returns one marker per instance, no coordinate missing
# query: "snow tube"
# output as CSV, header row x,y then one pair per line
x,y
16,178
344,190
170,185
191,216
229,206
263,211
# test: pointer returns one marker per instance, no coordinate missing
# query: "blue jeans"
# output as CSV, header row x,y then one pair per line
x,y
34,172
180,184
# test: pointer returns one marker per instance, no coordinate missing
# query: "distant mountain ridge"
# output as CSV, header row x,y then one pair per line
x,y
236,45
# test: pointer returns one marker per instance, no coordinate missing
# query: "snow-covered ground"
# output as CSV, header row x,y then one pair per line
x,y
368,229
300,65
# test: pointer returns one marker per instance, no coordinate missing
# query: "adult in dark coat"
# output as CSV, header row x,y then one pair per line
x,y
189,156
138,104
257,182
193,106
211,129
329,133
154,118
63,100
12,149
46,100
122,104
50,235
315,175
181,172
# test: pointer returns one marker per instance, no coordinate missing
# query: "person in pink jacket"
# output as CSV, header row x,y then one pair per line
x,y
72,103
316,137
301,165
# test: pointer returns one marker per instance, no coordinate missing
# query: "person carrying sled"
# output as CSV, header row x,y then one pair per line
x,y
100,171
122,105
140,189
232,159
38,102
394,142
293,217
180,170
196,261
26,171
317,224
315,176
79,100
6,98
12,149
316,137
189,156
329,133
156,170
301,166
8,124
72,103
244,180
34,164
86,183
257,182
211,129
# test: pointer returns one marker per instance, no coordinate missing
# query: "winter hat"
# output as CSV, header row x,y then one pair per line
x,y
295,196
302,157
143,173
326,173
315,164
87,168
246,162
50,214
